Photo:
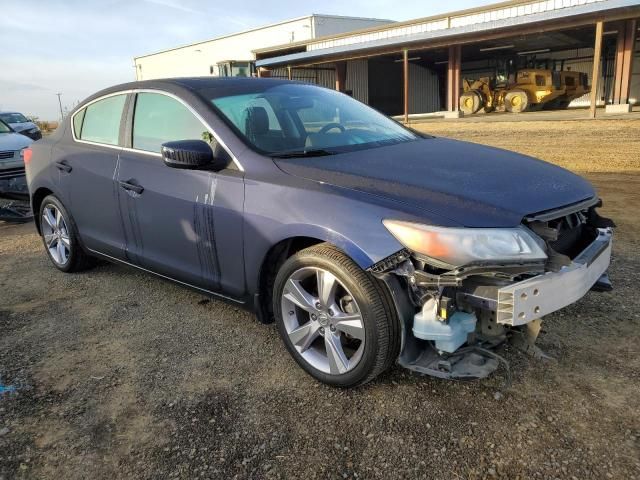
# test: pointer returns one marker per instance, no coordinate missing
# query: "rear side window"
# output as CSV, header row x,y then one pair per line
x,y
102,120
159,119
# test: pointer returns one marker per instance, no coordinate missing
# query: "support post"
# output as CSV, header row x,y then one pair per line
x,y
289,75
453,78
405,74
595,77
341,76
624,62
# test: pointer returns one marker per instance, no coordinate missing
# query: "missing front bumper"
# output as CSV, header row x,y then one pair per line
x,y
505,312
531,299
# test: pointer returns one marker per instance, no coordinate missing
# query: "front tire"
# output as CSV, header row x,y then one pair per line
x,y
516,101
60,237
337,321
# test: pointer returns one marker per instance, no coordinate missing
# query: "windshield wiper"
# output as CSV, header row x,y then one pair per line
x,y
303,153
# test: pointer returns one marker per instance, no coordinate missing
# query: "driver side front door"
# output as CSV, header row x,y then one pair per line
x,y
183,224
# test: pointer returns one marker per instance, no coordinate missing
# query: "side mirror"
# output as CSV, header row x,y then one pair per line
x,y
191,154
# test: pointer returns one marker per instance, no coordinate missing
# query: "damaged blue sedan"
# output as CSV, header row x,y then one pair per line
x,y
367,243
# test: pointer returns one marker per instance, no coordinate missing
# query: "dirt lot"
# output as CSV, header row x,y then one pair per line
x,y
579,145
118,374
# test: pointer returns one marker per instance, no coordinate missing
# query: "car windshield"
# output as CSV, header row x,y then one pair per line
x,y
287,120
4,128
13,118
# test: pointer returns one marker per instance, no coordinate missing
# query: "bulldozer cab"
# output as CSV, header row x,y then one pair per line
x,y
235,68
535,78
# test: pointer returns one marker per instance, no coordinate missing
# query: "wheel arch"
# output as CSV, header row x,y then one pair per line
x,y
36,201
284,248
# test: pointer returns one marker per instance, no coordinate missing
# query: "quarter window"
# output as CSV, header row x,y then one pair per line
x,y
101,120
77,122
159,119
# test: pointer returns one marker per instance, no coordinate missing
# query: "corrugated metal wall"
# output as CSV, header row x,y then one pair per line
x,y
424,96
358,79
581,60
479,21
324,76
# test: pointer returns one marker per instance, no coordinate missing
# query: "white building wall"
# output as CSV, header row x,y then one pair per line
x,y
196,60
200,59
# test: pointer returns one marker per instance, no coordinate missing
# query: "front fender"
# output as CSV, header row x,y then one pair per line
x,y
348,245
352,224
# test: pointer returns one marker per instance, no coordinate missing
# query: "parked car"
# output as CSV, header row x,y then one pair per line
x,y
12,176
21,124
366,242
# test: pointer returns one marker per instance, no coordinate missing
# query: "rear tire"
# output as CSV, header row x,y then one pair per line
x,y
344,337
60,237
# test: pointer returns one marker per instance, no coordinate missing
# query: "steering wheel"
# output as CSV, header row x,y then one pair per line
x,y
331,126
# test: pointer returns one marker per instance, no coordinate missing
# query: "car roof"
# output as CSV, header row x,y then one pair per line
x,y
193,84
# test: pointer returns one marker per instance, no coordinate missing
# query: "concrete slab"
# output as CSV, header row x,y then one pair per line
x,y
620,108
540,116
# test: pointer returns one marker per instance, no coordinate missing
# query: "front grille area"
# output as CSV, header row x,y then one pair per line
x,y
574,234
11,172
4,155
567,234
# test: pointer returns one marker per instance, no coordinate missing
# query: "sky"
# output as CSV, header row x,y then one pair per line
x,y
77,47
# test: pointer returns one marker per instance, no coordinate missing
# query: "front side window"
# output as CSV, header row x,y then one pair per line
x,y
101,123
159,119
293,119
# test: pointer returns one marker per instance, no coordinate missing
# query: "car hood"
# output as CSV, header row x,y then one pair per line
x,y
13,141
471,185
21,127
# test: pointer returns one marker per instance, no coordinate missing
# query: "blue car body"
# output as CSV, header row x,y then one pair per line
x,y
216,231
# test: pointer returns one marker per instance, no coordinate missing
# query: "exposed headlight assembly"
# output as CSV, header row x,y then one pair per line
x,y
461,246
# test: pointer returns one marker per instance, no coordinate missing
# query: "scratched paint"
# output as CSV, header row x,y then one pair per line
x,y
204,229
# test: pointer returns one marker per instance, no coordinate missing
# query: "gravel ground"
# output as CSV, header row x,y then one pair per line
x,y
116,374
579,145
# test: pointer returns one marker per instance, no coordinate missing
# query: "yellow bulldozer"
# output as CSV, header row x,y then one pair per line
x,y
532,89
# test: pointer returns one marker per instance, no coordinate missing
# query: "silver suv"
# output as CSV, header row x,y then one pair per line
x,y
12,145
21,124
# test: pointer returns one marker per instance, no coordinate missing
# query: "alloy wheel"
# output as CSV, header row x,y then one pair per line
x,y
56,234
323,320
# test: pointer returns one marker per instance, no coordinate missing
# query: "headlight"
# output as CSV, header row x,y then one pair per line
x,y
461,246
22,153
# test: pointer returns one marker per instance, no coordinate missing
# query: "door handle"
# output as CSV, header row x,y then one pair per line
x,y
63,166
133,187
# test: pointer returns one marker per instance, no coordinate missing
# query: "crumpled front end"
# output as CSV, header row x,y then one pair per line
x,y
454,319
